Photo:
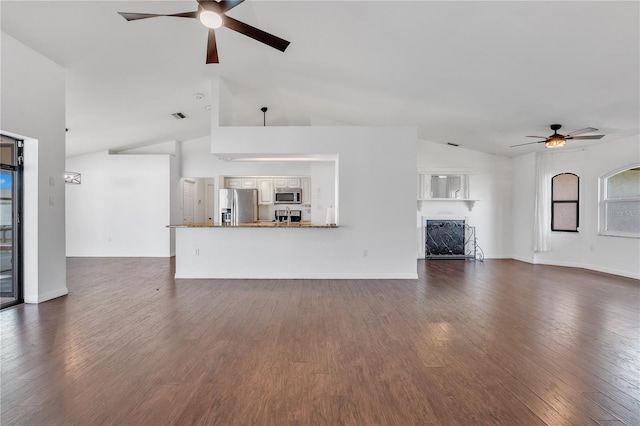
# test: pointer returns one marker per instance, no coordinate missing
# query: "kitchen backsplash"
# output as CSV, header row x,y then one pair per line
x,y
267,212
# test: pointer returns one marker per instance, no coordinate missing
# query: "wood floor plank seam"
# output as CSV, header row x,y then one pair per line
x,y
467,343
606,361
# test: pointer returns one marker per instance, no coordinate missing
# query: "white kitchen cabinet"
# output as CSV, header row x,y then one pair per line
x,y
287,182
293,183
239,182
266,184
233,183
249,183
305,184
265,191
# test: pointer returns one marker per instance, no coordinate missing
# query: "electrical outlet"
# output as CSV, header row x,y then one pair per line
x,y
365,252
51,201
197,252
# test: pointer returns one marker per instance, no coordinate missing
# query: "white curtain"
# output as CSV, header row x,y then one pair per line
x,y
542,214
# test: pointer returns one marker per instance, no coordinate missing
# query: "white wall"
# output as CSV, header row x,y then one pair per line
x,y
221,105
489,182
175,195
522,207
585,249
323,189
376,169
33,107
198,161
121,208
615,255
170,148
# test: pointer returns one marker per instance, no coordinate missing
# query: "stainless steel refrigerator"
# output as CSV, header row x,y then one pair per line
x,y
238,206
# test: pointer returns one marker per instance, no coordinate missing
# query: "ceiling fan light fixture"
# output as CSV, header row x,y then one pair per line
x,y
213,14
555,142
210,19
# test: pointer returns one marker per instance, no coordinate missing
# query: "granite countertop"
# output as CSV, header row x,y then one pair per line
x,y
259,224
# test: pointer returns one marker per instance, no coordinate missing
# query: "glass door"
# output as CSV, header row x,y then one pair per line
x,y
11,161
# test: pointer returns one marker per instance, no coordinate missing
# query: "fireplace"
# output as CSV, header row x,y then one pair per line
x,y
449,239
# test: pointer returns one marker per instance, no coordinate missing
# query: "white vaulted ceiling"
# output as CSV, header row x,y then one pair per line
x,y
480,74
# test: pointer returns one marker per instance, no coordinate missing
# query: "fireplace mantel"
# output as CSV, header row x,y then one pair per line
x,y
468,201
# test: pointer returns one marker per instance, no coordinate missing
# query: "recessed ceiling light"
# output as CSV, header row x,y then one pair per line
x,y
198,96
178,115
207,107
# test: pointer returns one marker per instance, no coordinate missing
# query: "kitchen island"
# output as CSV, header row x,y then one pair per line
x,y
258,224
258,250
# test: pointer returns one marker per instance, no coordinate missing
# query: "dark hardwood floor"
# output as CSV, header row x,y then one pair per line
x,y
468,343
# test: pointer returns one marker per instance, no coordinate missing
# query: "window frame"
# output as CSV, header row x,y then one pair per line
x,y
576,202
603,200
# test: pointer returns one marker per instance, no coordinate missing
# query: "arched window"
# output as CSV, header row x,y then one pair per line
x,y
565,189
620,202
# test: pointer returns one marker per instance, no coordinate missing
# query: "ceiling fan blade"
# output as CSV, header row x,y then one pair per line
x,y
528,143
212,48
193,14
542,137
581,131
226,5
136,16
255,33
585,137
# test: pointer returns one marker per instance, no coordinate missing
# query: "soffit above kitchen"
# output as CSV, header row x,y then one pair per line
x,y
479,74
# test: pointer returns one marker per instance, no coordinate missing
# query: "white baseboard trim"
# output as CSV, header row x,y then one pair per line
x,y
589,267
558,263
566,264
386,276
523,259
614,272
46,296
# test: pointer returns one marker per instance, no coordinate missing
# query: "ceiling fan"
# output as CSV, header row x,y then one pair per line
x,y
558,140
212,14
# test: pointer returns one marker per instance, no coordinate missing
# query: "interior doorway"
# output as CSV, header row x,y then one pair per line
x,y
11,170
198,200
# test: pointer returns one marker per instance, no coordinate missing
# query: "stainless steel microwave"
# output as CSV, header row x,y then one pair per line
x,y
288,196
